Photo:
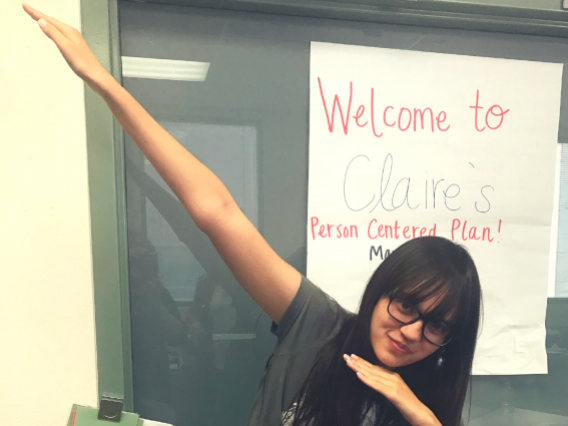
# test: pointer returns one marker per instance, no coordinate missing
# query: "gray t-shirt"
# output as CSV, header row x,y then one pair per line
x,y
311,320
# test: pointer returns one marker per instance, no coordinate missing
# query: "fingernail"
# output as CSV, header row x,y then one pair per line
x,y
42,22
345,357
360,374
354,356
26,4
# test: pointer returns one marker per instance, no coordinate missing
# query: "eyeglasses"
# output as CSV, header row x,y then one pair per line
x,y
436,332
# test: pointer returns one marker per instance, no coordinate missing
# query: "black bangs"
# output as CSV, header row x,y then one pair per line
x,y
447,293
437,268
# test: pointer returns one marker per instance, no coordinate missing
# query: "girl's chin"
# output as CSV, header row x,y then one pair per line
x,y
389,361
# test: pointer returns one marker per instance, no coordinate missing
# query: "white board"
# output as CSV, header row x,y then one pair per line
x,y
406,143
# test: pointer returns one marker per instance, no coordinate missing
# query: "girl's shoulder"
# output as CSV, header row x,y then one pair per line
x,y
312,318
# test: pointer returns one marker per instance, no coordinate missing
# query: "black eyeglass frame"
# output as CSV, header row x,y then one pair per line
x,y
392,297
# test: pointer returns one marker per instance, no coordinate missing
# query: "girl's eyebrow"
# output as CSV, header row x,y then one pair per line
x,y
436,316
415,298
427,316
446,323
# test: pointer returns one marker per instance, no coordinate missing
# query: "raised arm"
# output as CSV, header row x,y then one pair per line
x,y
270,281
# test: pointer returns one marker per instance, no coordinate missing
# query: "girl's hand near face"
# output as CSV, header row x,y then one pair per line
x,y
391,386
72,46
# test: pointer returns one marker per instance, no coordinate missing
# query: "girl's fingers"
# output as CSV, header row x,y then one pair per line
x,y
375,384
357,366
376,368
71,45
365,379
360,365
53,33
363,362
64,29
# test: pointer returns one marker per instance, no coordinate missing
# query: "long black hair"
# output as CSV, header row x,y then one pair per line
x,y
419,269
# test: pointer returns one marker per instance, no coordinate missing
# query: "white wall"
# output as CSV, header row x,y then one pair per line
x,y
47,334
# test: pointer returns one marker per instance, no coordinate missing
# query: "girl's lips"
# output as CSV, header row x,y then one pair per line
x,y
398,347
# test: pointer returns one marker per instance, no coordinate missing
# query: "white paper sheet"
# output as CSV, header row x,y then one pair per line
x,y
487,183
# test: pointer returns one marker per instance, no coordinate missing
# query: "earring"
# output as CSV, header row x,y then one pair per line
x,y
440,361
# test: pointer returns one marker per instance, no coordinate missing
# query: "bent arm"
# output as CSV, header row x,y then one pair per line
x,y
269,280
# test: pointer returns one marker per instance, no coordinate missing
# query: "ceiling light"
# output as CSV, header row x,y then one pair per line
x,y
164,69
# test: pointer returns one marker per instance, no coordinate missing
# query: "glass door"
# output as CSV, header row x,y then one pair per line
x,y
233,88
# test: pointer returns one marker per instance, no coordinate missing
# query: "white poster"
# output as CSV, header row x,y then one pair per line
x,y
405,144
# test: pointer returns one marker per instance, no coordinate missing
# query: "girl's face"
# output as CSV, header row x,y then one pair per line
x,y
396,344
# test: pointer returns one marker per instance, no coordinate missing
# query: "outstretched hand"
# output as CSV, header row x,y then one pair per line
x,y
71,44
391,386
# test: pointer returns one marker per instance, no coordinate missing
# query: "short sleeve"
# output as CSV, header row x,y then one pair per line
x,y
312,317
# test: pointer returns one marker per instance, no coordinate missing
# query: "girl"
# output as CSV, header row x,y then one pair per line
x,y
404,358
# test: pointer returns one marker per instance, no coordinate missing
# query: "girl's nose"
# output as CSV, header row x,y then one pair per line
x,y
412,332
